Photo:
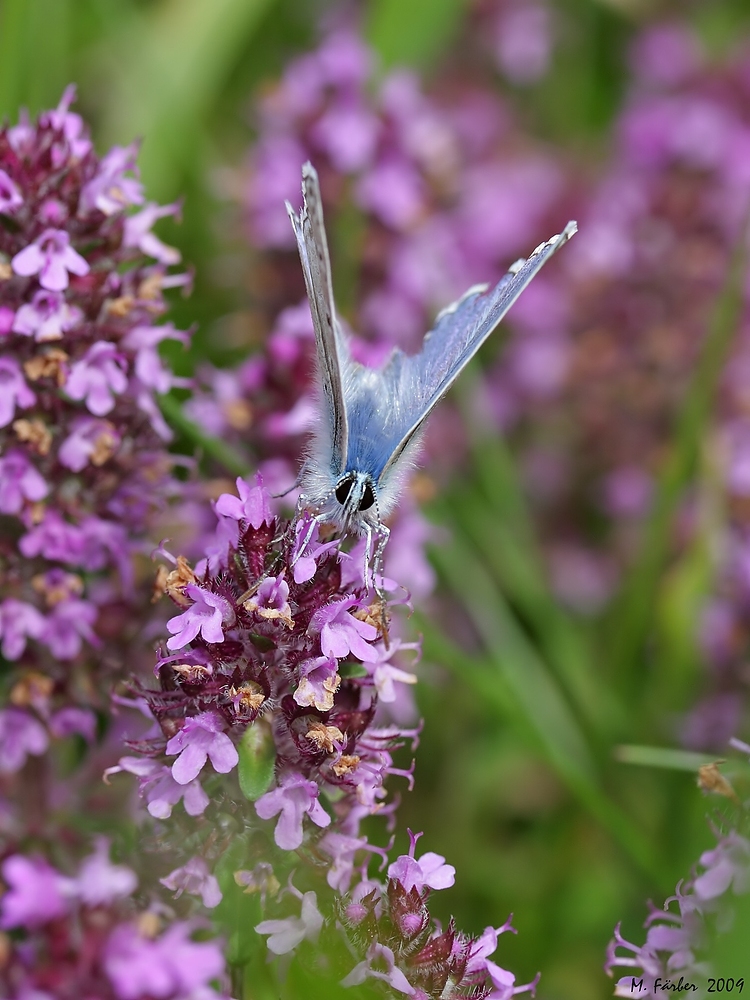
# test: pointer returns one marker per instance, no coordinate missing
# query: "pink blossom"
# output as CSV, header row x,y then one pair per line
x,y
285,935
380,963
149,369
318,682
430,870
70,622
200,739
138,233
99,882
86,437
340,632
252,505
36,894
294,798
171,965
20,735
160,789
47,317
208,615
98,377
195,879
13,390
19,482
51,257
18,622
111,190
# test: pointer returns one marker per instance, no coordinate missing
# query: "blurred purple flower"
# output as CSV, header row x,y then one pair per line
x,y
36,893
14,392
20,735
51,257
47,317
195,879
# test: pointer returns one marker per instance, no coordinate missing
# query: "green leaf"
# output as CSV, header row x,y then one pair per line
x,y
257,758
413,33
664,757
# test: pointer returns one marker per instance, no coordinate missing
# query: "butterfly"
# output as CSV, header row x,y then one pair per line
x,y
371,420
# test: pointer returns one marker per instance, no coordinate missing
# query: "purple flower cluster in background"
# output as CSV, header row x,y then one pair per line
x,y
82,935
84,468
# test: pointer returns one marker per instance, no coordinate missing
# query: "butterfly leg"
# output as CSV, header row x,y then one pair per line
x,y
302,544
377,571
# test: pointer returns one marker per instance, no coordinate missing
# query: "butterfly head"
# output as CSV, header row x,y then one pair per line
x,y
355,494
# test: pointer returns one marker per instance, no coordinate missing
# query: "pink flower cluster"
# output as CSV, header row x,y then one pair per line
x,y
264,719
83,463
82,936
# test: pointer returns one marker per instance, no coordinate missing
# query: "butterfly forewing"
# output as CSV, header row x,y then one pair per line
x,y
411,386
331,349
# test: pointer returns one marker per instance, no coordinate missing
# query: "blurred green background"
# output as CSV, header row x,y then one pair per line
x,y
519,783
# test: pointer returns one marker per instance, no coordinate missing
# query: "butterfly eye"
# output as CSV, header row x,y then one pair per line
x,y
368,498
343,490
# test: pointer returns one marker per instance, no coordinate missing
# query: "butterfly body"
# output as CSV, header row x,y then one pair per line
x,y
371,420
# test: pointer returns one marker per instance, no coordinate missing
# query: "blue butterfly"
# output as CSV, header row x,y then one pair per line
x,y
371,420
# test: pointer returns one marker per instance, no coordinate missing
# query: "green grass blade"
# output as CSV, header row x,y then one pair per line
x,y
538,699
172,63
663,757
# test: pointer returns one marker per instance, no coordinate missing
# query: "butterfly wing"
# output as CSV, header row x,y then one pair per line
x,y
399,398
330,345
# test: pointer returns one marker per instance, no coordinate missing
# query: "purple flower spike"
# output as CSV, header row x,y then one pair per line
x,y
51,257
195,879
36,893
340,632
19,482
20,735
201,738
13,390
209,614
295,797
98,377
